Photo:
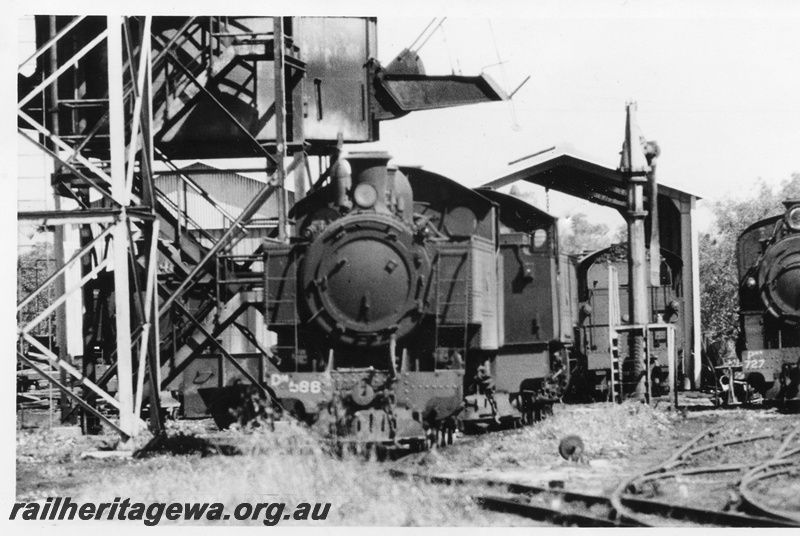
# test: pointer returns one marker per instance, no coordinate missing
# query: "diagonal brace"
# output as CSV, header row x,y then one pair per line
x,y
61,270
221,106
67,391
224,352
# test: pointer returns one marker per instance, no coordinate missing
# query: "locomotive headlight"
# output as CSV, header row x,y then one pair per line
x,y
750,283
365,195
793,219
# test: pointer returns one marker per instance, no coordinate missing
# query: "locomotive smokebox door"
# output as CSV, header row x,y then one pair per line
x,y
779,279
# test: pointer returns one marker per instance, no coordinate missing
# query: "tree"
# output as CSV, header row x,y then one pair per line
x,y
719,282
33,268
525,193
620,234
585,236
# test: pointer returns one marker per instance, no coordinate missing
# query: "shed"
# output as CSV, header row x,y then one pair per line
x,y
232,192
563,169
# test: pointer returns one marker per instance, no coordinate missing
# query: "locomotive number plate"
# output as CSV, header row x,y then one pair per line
x,y
303,386
753,363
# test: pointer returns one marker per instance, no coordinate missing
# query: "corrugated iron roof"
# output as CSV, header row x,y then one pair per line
x,y
564,169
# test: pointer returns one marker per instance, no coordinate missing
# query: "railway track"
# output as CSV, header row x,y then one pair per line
x,y
772,471
569,508
719,478
782,472
552,505
721,468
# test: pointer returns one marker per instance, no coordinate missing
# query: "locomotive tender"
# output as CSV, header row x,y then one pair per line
x,y
409,305
768,259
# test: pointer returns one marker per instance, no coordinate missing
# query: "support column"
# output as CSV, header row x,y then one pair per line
x,y
280,123
127,419
58,234
90,424
634,169
692,364
152,230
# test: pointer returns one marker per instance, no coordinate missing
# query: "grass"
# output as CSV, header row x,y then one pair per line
x,y
285,466
360,493
608,431
290,466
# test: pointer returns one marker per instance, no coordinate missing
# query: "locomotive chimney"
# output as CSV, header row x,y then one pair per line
x,y
369,176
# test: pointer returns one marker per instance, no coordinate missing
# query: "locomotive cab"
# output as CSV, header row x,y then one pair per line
x,y
531,369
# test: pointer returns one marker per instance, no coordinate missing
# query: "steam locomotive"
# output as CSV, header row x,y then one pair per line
x,y
408,305
768,259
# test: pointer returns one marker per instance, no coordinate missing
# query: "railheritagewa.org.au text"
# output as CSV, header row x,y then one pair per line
x,y
153,513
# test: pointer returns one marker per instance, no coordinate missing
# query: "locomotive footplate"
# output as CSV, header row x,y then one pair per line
x,y
367,406
773,373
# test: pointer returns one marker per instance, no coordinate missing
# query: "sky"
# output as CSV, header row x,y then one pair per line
x,y
716,83
720,94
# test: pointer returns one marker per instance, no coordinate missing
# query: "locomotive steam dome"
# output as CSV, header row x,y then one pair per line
x,y
364,278
779,279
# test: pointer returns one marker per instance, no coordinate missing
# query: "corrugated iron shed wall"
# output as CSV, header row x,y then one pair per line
x,y
232,190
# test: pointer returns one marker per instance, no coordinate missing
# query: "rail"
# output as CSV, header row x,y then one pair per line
x,y
679,466
570,508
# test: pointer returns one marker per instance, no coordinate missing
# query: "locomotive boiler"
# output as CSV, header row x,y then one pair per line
x,y
768,259
390,307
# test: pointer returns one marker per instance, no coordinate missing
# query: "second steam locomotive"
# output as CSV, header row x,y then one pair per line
x,y
768,258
